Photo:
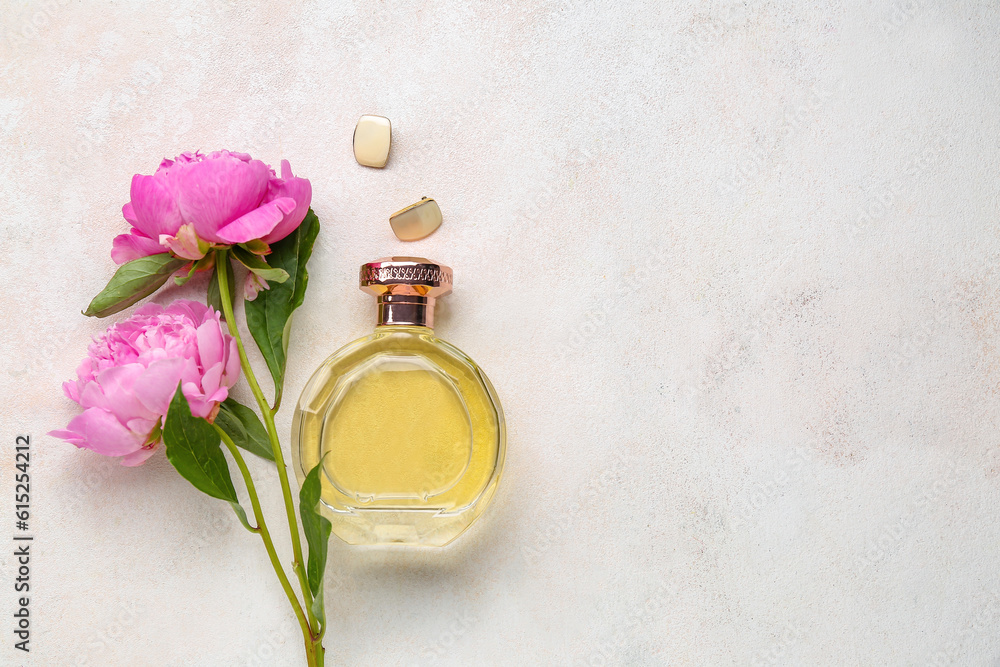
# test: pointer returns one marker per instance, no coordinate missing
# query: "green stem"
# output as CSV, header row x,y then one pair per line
x,y
265,535
222,256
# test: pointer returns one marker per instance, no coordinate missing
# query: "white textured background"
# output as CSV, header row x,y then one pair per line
x,y
734,270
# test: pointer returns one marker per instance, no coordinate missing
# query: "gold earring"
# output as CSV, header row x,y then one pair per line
x,y
416,221
372,138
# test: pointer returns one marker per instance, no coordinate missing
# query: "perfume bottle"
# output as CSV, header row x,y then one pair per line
x,y
408,428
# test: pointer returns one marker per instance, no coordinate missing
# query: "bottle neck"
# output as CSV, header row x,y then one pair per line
x,y
405,310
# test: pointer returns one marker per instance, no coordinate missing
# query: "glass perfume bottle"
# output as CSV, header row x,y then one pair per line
x,y
409,429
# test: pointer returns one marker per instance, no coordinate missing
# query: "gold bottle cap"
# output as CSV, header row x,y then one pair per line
x,y
406,288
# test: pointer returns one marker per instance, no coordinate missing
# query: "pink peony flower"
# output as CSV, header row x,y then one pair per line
x,y
126,383
221,198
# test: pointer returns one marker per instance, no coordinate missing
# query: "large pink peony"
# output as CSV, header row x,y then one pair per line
x,y
132,371
196,200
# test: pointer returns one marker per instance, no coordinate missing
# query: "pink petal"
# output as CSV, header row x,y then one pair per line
x,y
72,391
185,243
85,370
258,222
129,214
118,388
194,310
212,379
210,344
201,408
191,376
216,191
157,385
299,189
232,364
69,436
148,310
253,284
104,434
93,397
138,425
127,247
196,400
156,212
138,458
221,394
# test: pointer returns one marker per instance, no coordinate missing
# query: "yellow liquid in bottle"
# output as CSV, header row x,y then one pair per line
x,y
411,437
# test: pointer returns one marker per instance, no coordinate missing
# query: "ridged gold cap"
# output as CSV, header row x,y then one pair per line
x,y
406,288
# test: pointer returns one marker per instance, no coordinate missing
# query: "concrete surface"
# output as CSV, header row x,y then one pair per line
x,y
733,269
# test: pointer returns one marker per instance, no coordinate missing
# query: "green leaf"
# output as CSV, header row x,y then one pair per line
x,y
195,267
317,531
259,266
133,281
193,448
269,315
244,427
214,295
318,608
180,280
